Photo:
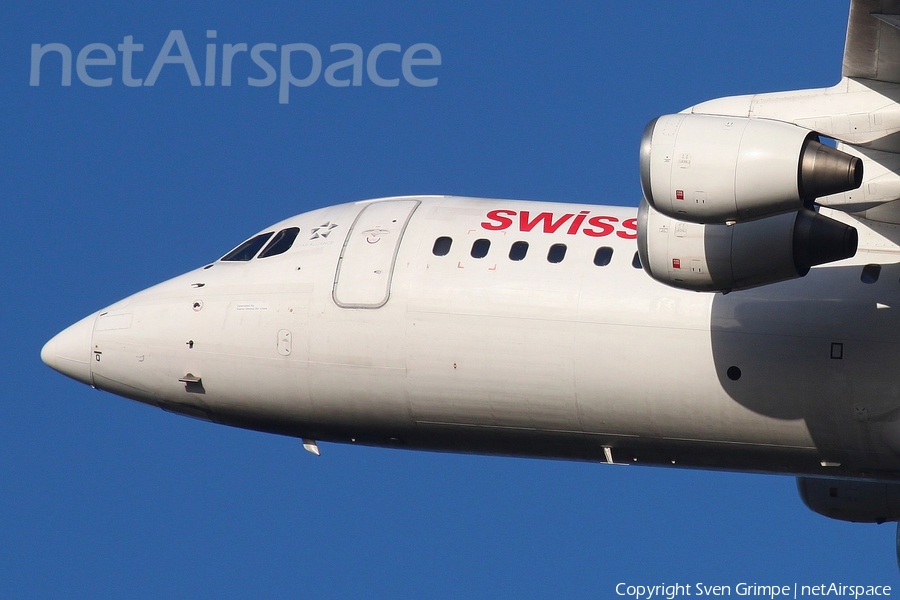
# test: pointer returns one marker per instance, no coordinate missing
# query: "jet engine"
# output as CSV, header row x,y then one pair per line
x,y
849,500
711,169
722,258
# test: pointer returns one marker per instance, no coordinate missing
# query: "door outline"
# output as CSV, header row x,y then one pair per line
x,y
393,261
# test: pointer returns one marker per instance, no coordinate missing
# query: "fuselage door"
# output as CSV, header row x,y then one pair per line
x,y
364,270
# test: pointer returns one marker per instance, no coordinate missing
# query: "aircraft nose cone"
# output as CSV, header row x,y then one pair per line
x,y
69,351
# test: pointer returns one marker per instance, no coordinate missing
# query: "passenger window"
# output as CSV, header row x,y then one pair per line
x,y
281,243
480,248
518,250
602,256
248,249
870,273
557,253
636,261
442,246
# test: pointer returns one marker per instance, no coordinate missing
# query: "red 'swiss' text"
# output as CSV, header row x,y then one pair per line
x,y
570,223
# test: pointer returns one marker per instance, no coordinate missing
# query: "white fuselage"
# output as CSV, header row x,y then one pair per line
x,y
362,333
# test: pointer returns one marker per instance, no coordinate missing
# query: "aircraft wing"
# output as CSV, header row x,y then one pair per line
x,y
861,113
872,49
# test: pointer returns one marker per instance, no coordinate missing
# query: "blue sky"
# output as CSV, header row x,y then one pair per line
x,y
108,190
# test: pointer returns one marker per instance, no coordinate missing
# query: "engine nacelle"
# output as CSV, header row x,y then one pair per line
x,y
722,258
709,169
849,500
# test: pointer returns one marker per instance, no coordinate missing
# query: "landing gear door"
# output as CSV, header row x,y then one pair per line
x,y
366,265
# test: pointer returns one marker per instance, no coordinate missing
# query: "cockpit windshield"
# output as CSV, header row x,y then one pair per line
x,y
281,243
248,249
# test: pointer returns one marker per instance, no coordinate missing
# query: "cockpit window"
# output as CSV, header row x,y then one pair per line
x,y
248,249
281,243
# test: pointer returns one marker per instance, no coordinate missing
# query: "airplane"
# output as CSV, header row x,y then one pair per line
x,y
740,319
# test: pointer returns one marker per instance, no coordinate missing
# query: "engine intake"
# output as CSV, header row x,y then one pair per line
x,y
722,258
710,169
